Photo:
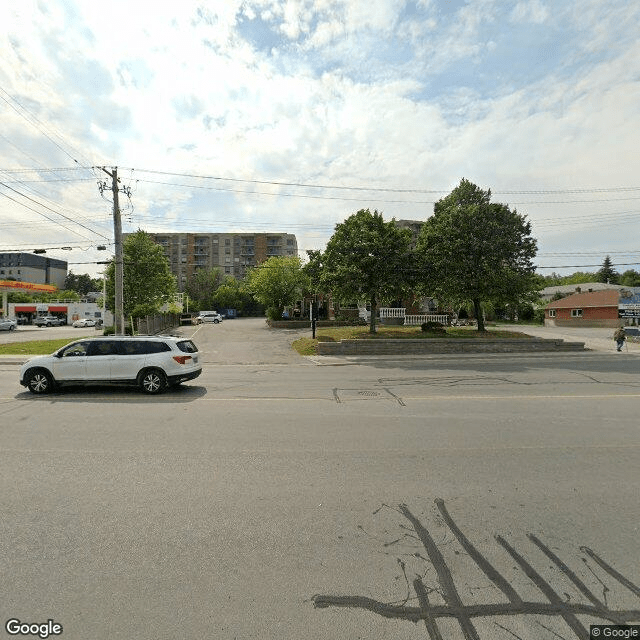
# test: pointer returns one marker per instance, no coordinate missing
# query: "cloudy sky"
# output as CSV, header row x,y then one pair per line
x,y
290,115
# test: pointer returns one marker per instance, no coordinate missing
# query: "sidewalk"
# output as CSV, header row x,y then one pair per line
x,y
594,338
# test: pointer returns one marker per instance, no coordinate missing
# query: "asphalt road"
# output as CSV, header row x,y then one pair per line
x,y
489,497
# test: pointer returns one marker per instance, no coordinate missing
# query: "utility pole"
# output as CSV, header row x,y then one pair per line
x,y
117,233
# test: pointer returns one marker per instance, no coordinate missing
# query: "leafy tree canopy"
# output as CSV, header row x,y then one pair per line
x,y
276,283
366,259
148,281
630,278
474,250
82,283
202,287
231,295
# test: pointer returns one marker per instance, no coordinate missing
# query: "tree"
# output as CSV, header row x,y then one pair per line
x,y
231,295
630,278
276,283
82,283
473,250
607,273
202,287
366,258
314,268
147,278
580,277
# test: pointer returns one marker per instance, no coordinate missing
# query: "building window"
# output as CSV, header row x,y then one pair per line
x,y
552,313
576,313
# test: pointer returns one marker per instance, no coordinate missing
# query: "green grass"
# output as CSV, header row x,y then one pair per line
x,y
308,346
35,347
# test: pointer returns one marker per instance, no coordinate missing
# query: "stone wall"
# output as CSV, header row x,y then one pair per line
x,y
437,345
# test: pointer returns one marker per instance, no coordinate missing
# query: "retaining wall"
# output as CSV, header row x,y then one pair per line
x,y
437,345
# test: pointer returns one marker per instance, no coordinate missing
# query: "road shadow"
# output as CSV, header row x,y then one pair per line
x,y
112,394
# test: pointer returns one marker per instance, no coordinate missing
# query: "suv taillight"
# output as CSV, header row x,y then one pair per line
x,y
182,359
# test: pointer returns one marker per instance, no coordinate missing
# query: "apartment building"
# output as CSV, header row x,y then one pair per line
x,y
29,267
232,253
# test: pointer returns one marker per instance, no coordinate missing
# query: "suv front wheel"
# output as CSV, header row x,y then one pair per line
x,y
152,381
39,381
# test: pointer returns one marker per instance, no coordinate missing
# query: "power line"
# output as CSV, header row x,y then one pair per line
x,y
52,210
35,122
383,189
348,199
624,189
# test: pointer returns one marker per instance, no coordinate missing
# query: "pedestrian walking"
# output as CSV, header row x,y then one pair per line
x,y
620,336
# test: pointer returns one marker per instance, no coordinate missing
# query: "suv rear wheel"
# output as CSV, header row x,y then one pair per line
x,y
152,381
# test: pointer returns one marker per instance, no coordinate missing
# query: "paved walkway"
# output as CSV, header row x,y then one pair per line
x,y
594,338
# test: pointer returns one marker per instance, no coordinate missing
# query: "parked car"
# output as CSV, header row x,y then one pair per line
x,y
84,322
48,321
208,316
6,324
150,362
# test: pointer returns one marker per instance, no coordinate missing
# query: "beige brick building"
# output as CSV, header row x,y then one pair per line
x,y
232,253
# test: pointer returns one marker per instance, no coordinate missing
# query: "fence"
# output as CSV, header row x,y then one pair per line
x,y
392,312
150,325
426,317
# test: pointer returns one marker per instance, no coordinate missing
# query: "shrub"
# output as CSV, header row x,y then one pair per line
x,y
109,331
433,326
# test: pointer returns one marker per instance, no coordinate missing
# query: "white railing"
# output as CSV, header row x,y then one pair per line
x,y
419,319
392,312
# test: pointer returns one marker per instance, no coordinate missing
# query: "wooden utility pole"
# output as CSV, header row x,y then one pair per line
x,y
119,276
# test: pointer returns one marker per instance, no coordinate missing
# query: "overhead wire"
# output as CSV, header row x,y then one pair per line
x,y
385,189
35,122
56,212
62,144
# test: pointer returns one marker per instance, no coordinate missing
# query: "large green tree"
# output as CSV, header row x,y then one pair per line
x,y
368,259
277,283
630,278
82,283
473,250
201,288
147,278
231,294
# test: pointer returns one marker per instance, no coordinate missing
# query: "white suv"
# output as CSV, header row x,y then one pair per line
x,y
208,316
150,362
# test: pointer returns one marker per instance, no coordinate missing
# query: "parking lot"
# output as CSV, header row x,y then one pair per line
x,y
23,333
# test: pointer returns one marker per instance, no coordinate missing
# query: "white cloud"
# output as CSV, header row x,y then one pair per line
x,y
530,11
343,92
